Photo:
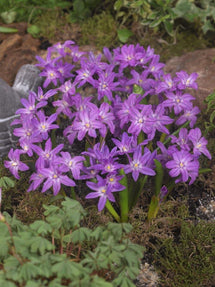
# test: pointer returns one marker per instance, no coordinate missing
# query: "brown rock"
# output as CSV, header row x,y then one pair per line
x,y
11,42
201,62
16,50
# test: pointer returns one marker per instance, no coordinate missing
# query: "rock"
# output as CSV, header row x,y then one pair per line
x,y
27,79
11,42
201,62
15,51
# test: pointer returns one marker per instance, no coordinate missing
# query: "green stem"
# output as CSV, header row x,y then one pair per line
x,y
140,189
112,211
73,195
124,197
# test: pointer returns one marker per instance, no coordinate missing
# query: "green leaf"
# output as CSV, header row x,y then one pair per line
x,y
153,207
50,209
123,281
33,284
124,35
4,248
8,16
137,90
204,170
11,267
34,30
100,282
6,283
55,283
41,227
6,182
40,244
158,176
80,235
118,4
97,233
7,30
168,27
28,271
66,269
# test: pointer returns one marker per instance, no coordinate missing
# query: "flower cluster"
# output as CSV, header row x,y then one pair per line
x,y
132,107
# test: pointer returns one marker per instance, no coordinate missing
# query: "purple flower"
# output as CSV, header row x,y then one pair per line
x,y
107,118
76,54
199,143
141,80
102,190
187,81
65,70
105,84
166,153
189,115
141,120
184,165
64,105
74,164
52,75
163,193
36,179
178,101
127,144
15,164
167,84
182,140
155,67
127,57
48,61
87,123
30,106
139,164
160,119
47,154
113,180
27,131
62,48
55,178
85,74
44,97
67,88
44,124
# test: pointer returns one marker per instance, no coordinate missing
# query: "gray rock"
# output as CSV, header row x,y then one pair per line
x,y
27,80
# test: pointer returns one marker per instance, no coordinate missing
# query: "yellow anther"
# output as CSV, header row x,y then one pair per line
x,y
111,179
55,176
103,190
181,164
87,125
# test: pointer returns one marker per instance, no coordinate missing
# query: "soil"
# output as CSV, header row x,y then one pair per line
x,y
21,48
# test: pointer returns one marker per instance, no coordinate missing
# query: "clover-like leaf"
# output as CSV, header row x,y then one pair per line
x,y
41,245
41,227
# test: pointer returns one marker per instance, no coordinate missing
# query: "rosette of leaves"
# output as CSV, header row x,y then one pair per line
x,y
60,251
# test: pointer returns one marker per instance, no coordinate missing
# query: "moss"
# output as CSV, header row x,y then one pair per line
x,y
50,22
99,31
190,262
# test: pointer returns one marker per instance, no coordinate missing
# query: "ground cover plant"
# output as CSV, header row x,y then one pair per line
x,y
58,251
138,124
